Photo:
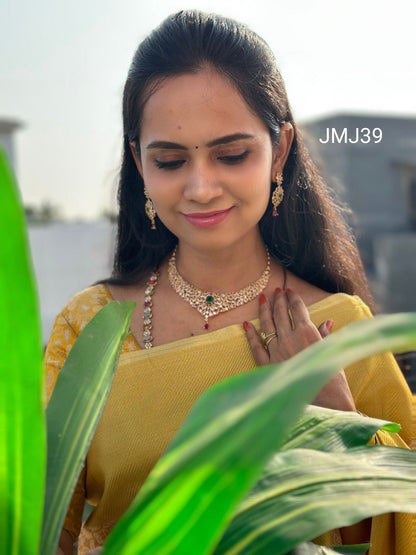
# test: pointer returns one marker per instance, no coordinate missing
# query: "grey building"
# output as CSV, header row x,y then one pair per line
x,y
7,128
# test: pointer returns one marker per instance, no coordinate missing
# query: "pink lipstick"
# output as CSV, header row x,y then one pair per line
x,y
207,219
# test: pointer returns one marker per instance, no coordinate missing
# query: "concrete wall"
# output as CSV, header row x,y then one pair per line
x,y
67,258
395,262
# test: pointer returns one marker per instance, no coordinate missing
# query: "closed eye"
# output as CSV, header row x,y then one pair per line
x,y
170,165
234,159
176,164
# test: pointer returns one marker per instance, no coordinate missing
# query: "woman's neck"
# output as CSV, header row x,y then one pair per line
x,y
222,270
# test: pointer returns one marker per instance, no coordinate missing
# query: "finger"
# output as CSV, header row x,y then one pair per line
x,y
261,356
281,318
298,310
267,325
325,328
265,315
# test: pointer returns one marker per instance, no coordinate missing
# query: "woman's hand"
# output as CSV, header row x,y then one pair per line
x,y
285,339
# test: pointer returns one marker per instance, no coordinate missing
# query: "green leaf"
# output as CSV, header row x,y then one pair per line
x,y
220,451
304,493
22,429
75,408
330,430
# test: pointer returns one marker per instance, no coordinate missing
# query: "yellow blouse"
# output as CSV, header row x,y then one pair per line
x,y
153,391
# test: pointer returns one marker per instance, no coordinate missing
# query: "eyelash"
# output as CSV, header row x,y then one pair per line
x,y
176,164
172,165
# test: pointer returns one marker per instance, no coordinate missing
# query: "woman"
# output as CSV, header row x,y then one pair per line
x,y
223,220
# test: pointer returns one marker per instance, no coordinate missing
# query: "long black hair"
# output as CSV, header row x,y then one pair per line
x,y
309,237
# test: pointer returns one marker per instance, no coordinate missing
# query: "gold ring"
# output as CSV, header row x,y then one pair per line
x,y
269,338
266,338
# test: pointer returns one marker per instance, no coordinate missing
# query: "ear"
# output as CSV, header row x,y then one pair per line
x,y
137,160
281,151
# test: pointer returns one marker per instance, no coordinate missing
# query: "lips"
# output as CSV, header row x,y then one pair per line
x,y
207,219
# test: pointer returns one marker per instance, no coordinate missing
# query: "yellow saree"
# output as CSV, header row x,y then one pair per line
x,y
153,391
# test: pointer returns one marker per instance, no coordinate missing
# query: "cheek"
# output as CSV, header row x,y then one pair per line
x,y
259,167
148,171
163,192
256,183
156,181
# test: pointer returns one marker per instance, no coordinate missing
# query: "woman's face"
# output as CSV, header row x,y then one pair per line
x,y
207,160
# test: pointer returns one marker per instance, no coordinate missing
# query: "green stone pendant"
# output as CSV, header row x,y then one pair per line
x,y
209,299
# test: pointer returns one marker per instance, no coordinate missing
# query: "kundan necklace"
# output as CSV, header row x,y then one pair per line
x,y
208,303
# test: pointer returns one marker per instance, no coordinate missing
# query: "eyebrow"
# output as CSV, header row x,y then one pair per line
x,y
220,141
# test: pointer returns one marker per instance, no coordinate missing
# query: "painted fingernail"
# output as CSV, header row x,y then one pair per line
x,y
288,291
277,290
329,324
246,326
262,298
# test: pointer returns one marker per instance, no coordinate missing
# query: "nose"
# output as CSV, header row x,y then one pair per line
x,y
202,184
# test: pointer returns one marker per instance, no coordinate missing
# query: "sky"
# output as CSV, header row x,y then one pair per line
x,y
63,67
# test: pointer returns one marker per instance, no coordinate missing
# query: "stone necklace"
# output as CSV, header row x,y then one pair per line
x,y
207,303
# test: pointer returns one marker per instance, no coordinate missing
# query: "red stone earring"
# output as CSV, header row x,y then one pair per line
x,y
277,195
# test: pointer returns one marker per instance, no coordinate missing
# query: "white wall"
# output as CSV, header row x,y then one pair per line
x,y
68,257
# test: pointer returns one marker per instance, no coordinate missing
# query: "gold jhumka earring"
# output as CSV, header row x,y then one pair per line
x,y
150,210
277,195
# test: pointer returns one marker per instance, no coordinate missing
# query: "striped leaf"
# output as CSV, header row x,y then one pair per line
x,y
22,433
74,410
220,451
330,430
321,491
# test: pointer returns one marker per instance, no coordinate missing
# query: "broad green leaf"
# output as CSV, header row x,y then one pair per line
x,y
313,549
220,451
330,430
75,407
22,428
304,493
